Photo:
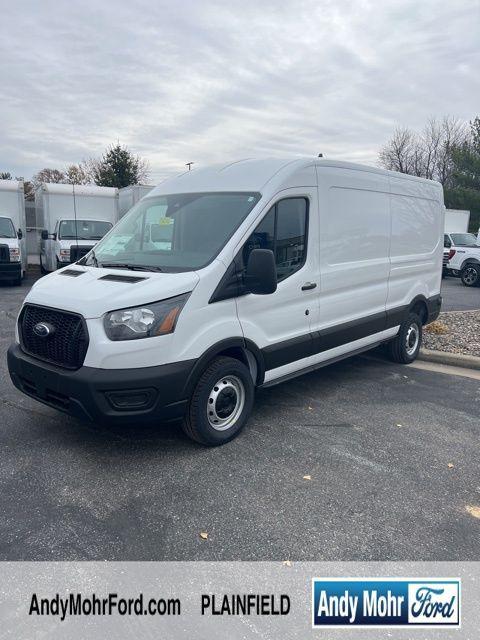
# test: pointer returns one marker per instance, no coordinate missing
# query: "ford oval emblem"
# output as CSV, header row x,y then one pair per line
x,y
43,329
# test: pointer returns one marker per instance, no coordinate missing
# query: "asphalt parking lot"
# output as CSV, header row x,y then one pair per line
x,y
377,440
458,297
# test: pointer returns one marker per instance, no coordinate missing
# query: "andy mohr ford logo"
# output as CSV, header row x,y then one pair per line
x,y
385,602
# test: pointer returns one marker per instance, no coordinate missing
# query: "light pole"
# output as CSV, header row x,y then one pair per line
x,y
189,165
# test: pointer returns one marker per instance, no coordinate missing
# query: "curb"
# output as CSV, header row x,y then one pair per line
x,y
452,359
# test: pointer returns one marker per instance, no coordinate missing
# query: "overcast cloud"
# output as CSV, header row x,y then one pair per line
x,y
210,81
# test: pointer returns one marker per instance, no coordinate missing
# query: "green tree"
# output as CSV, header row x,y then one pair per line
x,y
5,175
118,167
464,192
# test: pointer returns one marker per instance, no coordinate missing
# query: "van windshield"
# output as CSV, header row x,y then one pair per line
x,y
464,239
7,230
179,232
83,229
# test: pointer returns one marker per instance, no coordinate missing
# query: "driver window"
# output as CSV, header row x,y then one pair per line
x,y
283,231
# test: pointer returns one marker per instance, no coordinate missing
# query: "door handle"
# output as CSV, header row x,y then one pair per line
x,y
309,285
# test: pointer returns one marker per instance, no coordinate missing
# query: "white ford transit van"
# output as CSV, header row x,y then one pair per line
x,y
229,278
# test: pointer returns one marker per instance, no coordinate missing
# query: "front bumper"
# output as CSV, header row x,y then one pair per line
x,y
118,396
10,270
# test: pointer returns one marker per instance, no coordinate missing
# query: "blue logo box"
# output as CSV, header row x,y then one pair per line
x,y
385,602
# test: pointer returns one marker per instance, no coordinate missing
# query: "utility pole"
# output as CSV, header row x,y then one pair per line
x,y
189,165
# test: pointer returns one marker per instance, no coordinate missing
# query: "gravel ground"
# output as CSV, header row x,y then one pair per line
x,y
456,332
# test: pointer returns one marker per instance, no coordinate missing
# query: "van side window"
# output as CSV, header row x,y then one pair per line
x,y
283,231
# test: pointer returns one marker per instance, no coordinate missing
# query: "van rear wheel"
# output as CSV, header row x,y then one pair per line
x,y
221,402
405,346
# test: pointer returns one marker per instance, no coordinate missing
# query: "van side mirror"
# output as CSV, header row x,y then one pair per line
x,y
44,234
20,234
261,272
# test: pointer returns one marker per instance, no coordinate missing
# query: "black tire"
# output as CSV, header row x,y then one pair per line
x,y
470,275
406,345
225,384
43,271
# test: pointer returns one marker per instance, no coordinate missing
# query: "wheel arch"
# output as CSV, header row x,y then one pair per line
x,y
469,261
419,305
239,348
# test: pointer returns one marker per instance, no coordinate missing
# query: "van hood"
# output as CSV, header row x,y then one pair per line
x,y
91,295
12,243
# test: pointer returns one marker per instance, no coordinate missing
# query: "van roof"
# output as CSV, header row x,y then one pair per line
x,y
252,174
80,190
11,185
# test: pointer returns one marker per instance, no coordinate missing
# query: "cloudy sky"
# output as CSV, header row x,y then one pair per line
x,y
204,81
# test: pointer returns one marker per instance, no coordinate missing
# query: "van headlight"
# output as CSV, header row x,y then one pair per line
x,y
146,321
14,255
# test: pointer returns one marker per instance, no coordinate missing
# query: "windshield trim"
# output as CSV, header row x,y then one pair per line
x,y
87,260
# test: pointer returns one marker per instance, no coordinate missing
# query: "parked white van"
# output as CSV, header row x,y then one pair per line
x,y
271,268
13,248
73,218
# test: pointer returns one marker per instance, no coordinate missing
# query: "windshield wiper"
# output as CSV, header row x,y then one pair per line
x,y
132,267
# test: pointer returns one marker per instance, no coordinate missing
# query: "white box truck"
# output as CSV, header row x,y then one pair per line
x,y
13,249
73,219
456,220
273,268
129,196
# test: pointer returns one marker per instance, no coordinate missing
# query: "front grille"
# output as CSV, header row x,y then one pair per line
x,y
78,252
4,253
67,344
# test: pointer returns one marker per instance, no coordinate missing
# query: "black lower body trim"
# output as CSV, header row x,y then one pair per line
x,y
319,341
434,304
332,337
125,396
287,351
318,365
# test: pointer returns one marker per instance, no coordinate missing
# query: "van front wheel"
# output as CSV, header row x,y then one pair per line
x,y
406,345
221,402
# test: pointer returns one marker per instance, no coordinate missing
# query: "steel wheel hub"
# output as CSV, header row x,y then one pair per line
x,y
412,339
225,402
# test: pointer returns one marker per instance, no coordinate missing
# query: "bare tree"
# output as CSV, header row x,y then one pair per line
x,y
430,141
397,154
428,155
48,175
454,135
78,174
